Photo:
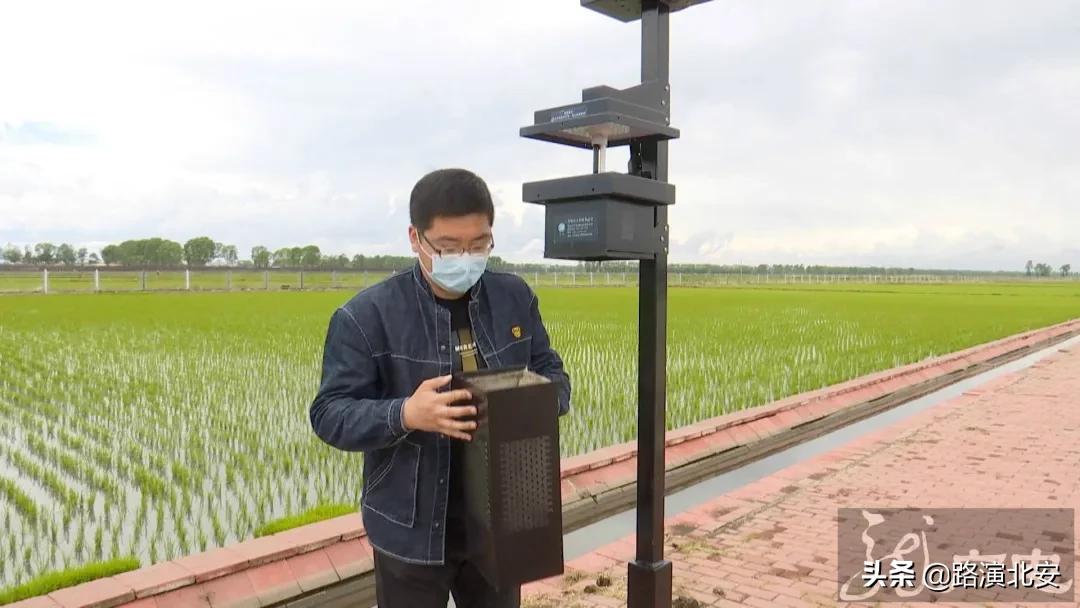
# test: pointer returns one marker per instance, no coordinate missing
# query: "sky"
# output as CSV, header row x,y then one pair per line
x,y
907,133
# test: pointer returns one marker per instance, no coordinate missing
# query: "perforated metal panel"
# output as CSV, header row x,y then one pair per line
x,y
479,492
526,488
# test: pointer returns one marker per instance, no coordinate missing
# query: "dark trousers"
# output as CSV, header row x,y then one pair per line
x,y
400,584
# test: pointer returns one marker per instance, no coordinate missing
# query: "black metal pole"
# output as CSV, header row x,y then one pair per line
x,y
649,576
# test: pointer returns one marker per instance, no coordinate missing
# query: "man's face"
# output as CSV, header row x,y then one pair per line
x,y
464,232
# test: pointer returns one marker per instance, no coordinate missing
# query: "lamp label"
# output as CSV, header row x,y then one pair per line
x,y
568,113
577,228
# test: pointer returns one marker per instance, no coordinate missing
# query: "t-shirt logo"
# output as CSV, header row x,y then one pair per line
x,y
516,331
467,350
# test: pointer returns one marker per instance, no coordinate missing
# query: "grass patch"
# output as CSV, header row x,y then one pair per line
x,y
310,516
51,581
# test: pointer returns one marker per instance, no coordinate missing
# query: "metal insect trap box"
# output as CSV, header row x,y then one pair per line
x,y
512,486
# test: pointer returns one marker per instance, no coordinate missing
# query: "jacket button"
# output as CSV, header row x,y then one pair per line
x,y
436,524
443,348
441,480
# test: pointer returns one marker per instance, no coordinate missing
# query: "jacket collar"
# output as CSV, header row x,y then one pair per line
x,y
421,280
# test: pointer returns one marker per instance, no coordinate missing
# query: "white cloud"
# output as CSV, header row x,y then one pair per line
x,y
911,134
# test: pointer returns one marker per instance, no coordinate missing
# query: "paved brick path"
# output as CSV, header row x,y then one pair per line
x,y
1012,442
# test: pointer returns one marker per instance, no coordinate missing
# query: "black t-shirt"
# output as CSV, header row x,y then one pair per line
x,y
465,358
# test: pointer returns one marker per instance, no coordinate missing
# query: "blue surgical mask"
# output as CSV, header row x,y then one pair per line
x,y
458,273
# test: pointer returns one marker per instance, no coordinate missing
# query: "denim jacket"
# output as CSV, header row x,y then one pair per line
x,y
380,345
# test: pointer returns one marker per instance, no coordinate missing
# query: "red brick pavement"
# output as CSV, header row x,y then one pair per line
x,y
1012,442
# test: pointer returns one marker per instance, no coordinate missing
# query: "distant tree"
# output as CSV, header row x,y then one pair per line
x,y
295,256
94,259
310,256
110,254
44,253
153,251
199,251
82,256
65,254
229,254
260,256
358,262
281,257
165,252
1065,268
1029,267
12,254
28,256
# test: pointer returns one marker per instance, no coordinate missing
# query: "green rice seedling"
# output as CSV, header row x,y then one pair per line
x,y
23,504
80,539
98,539
181,534
181,476
149,484
185,499
219,530
48,479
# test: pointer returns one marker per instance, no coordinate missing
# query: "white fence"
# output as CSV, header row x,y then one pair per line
x,y
51,280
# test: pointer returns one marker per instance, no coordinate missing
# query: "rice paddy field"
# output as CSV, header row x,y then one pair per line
x,y
161,424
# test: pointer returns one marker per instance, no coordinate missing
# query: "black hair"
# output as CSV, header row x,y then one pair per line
x,y
449,193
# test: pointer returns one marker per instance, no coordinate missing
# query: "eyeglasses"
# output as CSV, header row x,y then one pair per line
x,y
456,251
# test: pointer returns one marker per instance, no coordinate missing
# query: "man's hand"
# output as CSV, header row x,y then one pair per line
x,y
428,410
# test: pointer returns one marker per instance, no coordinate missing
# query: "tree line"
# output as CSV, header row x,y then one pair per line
x,y
815,269
203,251
1041,269
47,253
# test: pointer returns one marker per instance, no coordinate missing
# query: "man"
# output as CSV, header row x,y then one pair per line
x,y
387,359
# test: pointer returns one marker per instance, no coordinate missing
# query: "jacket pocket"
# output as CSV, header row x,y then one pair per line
x,y
517,352
391,489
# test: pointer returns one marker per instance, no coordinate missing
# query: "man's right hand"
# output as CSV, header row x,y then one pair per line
x,y
429,410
